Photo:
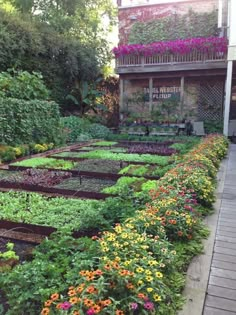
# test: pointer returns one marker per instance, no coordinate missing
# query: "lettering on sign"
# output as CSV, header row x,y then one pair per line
x,y
163,92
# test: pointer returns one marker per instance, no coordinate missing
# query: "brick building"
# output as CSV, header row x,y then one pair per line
x,y
183,72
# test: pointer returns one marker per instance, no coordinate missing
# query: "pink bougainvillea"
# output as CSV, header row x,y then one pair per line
x,y
180,46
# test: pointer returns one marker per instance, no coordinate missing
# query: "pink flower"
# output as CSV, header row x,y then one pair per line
x,y
65,306
149,306
133,306
90,311
180,46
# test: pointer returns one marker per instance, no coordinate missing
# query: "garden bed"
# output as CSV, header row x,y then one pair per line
x,y
52,191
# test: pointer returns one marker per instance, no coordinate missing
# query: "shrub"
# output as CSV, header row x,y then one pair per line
x,y
98,131
29,121
23,85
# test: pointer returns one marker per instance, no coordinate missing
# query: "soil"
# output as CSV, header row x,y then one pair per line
x,y
85,184
103,166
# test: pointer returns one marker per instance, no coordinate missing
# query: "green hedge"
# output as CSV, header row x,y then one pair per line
x,y
29,121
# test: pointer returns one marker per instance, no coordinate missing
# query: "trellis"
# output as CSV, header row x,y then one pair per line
x,y
211,95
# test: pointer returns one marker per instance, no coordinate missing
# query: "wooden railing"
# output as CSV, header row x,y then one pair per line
x,y
168,59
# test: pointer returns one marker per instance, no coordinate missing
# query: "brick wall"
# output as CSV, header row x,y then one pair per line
x,y
128,16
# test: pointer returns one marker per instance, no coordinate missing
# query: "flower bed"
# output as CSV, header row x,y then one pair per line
x,y
180,46
137,271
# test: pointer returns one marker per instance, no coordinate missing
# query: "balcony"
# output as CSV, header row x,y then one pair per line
x,y
190,54
170,62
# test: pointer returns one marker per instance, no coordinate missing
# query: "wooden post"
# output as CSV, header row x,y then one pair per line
x,y
228,97
181,96
121,94
150,93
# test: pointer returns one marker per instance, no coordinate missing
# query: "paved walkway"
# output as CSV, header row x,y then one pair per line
x,y
221,290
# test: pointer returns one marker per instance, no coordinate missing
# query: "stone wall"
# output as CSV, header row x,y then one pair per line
x,y
129,15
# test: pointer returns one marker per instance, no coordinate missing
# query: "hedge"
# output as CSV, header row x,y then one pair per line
x,y
29,121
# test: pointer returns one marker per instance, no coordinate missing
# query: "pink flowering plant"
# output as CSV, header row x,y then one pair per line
x,y
180,46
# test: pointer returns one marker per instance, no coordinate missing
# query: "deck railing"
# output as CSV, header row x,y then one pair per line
x,y
168,59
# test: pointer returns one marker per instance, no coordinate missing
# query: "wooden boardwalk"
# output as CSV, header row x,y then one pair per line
x,y
221,291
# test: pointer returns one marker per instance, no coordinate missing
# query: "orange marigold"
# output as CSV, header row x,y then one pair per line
x,y
45,311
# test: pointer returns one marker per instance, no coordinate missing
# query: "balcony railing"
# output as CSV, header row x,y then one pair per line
x,y
195,57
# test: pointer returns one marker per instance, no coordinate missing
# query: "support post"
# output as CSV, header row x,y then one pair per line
x,y
181,95
150,93
228,97
121,94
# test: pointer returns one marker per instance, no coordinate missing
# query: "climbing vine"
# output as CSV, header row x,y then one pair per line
x,y
175,26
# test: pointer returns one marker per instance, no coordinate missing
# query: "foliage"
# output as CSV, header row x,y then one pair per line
x,y
123,184
38,177
86,97
129,267
153,149
213,126
179,46
74,127
64,47
9,253
80,129
175,26
104,143
53,268
136,170
98,131
8,153
29,121
106,155
23,85
62,213
46,163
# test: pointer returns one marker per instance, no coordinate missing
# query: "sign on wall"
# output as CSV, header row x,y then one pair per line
x,y
163,92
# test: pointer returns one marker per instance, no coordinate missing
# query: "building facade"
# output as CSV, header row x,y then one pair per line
x,y
185,68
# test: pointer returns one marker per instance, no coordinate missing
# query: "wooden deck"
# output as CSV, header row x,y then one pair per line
x,y
221,291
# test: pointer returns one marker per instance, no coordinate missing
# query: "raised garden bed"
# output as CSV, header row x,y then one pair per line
x,y
52,190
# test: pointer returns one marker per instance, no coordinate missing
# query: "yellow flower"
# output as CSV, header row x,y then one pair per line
x,y
149,278
149,290
139,269
159,275
156,297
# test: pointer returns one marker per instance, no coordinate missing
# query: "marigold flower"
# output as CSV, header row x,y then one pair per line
x,y
45,311
119,312
71,292
76,312
55,296
74,300
48,303
106,302
96,308
88,303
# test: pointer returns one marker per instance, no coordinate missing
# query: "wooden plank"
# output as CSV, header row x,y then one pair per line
x,y
226,251
223,228
222,282
225,244
226,233
170,68
221,292
223,273
226,223
222,257
226,238
221,303
224,220
223,265
214,311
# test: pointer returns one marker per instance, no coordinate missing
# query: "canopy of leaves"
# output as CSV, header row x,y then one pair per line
x,y
64,40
